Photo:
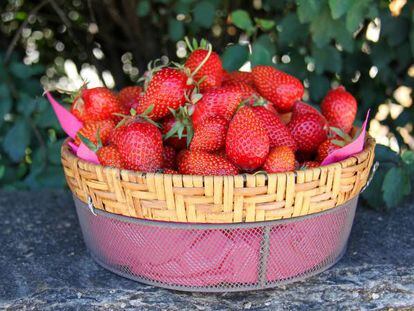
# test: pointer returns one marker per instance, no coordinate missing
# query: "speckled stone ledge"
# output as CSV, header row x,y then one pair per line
x,y
44,266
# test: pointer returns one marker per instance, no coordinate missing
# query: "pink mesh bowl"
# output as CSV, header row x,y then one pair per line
x,y
217,257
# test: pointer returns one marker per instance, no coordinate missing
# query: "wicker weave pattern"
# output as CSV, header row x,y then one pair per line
x,y
218,199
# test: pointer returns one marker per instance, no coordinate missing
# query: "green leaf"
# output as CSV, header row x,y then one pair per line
x,y
264,24
373,191
46,118
396,30
263,51
291,30
356,14
242,20
17,139
344,38
26,104
322,28
235,56
339,7
411,35
327,59
408,159
143,8
53,152
23,71
318,87
308,10
175,29
2,171
396,186
5,102
204,13
385,154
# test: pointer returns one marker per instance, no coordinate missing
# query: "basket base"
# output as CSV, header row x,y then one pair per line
x,y
217,258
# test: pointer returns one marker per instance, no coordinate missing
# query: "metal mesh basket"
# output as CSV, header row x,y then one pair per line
x,y
217,257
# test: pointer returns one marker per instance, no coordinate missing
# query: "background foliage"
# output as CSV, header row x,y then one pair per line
x,y
366,45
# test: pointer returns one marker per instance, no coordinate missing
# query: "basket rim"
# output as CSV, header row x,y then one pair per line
x,y
67,153
205,225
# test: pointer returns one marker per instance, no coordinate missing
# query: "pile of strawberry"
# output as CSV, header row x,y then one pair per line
x,y
199,119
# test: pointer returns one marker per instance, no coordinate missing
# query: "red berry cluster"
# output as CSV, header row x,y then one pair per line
x,y
199,119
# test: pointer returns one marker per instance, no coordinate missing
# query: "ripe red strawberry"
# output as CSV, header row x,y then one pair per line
x,y
247,142
278,132
204,163
339,107
210,135
221,102
325,149
277,86
239,76
170,171
310,164
169,156
307,131
90,131
130,96
140,146
109,156
96,104
226,75
300,107
280,159
166,89
211,71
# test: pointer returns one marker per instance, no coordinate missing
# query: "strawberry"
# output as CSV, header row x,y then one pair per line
x,y
307,131
339,107
205,66
277,86
239,76
278,132
300,107
170,171
280,159
90,131
140,146
325,149
166,90
96,104
222,102
247,142
336,139
204,163
169,156
109,156
130,96
210,135
310,164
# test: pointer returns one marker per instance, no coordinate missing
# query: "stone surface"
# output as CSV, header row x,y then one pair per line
x,y
44,265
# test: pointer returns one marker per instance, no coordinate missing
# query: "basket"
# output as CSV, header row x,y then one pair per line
x,y
217,199
217,257
163,229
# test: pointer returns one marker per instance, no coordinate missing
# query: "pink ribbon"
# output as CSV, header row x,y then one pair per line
x,y
71,125
356,146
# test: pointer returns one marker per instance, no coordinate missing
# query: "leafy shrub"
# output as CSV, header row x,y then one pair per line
x,y
323,42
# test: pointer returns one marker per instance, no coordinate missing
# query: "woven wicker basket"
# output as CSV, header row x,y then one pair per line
x,y
218,199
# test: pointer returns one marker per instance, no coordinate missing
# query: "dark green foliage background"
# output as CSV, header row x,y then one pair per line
x,y
328,35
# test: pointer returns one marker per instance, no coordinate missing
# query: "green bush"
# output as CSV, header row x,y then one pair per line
x,y
322,42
